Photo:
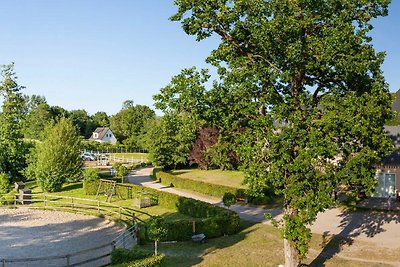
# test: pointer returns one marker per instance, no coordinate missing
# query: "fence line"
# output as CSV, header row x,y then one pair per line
x,y
126,239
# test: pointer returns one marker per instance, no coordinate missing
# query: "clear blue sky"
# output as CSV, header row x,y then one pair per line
x,y
94,54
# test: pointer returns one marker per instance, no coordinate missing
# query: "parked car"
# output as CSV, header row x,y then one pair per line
x,y
88,156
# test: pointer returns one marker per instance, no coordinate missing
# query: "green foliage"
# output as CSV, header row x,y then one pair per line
x,y
211,220
4,183
229,199
156,228
153,261
214,190
170,140
36,120
82,121
56,159
12,147
121,170
128,124
122,255
305,87
90,181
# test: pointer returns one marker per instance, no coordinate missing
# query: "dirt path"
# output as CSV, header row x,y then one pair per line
x,y
29,233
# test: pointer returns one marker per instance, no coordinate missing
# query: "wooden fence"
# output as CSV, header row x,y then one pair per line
x,y
97,256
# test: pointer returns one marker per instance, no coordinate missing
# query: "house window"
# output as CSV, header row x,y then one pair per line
x,y
386,184
95,135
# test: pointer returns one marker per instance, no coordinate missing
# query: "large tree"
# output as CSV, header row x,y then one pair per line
x,y
128,124
56,159
314,98
12,147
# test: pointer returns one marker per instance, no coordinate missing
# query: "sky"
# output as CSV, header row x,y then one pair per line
x,y
95,54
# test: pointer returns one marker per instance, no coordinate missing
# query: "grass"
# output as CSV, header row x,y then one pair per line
x,y
76,190
228,178
261,245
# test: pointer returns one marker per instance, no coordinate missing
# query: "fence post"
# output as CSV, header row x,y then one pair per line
x,y
119,208
72,202
68,260
98,206
44,197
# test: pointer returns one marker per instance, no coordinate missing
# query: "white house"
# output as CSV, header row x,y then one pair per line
x,y
103,134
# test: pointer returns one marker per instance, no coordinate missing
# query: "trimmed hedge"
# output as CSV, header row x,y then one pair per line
x,y
214,190
153,261
211,220
122,257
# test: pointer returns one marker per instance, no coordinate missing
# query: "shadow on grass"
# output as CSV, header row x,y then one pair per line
x,y
353,224
189,253
73,186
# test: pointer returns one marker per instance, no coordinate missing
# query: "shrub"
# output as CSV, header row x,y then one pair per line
x,y
153,261
228,199
90,181
122,255
7,199
211,220
4,183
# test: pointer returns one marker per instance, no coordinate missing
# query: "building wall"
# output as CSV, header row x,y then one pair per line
x,y
109,137
391,170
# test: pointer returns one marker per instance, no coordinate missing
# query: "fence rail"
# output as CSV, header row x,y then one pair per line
x,y
126,239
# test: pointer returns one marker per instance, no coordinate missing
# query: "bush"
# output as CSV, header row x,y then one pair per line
x,y
4,183
228,199
90,181
211,220
153,261
7,199
122,255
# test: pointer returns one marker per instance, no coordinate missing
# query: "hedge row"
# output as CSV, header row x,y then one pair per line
x,y
153,261
211,220
214,190
122,257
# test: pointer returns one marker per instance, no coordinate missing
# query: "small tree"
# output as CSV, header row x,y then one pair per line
x,y
57,159
90,174
4,183
156,230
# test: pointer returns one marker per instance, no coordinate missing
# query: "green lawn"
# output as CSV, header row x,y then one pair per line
x,y
228,178
76,190
257,245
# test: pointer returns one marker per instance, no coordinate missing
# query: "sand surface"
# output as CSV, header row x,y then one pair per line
x,y
29,233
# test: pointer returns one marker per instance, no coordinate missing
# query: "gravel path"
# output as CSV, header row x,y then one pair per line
x,y
29,233
379,228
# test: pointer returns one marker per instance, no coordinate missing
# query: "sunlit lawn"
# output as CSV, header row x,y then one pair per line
x,y
76,190
255,245
229,178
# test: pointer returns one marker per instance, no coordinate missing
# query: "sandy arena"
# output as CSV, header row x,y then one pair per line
x,y
28,233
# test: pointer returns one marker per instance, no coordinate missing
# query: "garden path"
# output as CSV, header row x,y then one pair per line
x,y
381,228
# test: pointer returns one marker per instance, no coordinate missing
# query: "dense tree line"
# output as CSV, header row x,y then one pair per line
x,y
43,142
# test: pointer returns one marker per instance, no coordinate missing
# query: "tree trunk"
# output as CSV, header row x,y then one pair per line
x,y
291,254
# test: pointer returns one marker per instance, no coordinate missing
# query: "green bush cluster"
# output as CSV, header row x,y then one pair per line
x,y
153,261
122,255
90,181
211,220
198,186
